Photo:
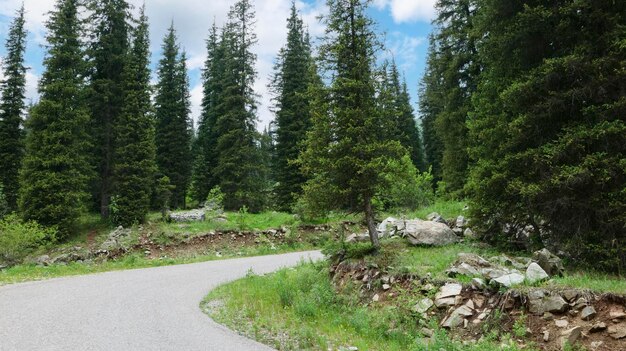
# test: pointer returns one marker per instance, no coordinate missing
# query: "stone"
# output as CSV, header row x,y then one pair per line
x,y
598,327
550,263
116,239
535,274
43,260
457,317
376,298
570,295
588,313
427,332
617,314
357,238
445,302
539,304
429,233
561,323
580,304
386,287
510,280
461,222
547,316
570,336
596,344
478,284
436,217
197,215
423,305
546,336
617,332
449,290
469,233
387,228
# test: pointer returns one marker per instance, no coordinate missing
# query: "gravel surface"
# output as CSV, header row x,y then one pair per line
x,y
143,309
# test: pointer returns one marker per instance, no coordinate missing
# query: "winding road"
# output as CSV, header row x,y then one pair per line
x,y
143,309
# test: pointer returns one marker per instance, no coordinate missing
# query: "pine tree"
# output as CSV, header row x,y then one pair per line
x,y
289,84
237,169
11,109
347,154
56,168
204,156
108,56
173,125
135,150
549,129
431,104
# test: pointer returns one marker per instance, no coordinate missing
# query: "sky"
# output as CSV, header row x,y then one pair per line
x,y
404,26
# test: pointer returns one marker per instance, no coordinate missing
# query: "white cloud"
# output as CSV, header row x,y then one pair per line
x,y
404,49
408,10
192,19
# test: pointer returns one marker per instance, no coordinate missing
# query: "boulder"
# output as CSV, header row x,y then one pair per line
x,y
429,233
588,313
539,302
387,228
197,215
534,273
449,290
509,280
550,263
43,260
461,222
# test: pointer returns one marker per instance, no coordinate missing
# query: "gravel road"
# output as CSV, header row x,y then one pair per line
x,y
143,309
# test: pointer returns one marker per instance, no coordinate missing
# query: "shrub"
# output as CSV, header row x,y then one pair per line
x,y
19,238
406,188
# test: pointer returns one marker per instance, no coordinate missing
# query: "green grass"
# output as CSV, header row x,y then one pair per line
x,y
30,272
597,282
297,309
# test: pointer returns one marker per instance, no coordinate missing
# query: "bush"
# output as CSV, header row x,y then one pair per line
x,y
406,188
18,238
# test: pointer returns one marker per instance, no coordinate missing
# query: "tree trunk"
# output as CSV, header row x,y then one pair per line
x,y
371,223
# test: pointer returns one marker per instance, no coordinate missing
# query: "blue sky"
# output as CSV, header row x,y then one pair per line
x,y
405,24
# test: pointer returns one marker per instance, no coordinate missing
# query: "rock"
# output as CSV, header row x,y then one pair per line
x,y
43,260
461,222
457,317
546,336
598,327
357,238
588,313
427,332
570,295
579,304
386,287
534,273
478,284
387,228
435,217
445,302
561,323
423,305
376,298
449,290
570,336
197,215
116,240
617,314
596,344
510,280
469,233
617,332
550,263
539,303
429,233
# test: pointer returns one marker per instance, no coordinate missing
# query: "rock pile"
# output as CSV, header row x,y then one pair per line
x,y
116,240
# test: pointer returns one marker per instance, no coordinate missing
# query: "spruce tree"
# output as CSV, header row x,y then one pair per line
x,y
173,125
347,154
549,129
204,156
108,56
289,84
431,104
56,168
135,150
237,169
12,108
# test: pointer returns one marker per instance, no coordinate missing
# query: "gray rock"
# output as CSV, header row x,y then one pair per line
x,y
197,215
617,332
43,260
429,233
534,273
445,302
435,217
588,313
423,305
457,317
561,323
570,336
539,303
598,327
550,263
570,295
461,222
449,290
478,284
510,280
469,233
387,228
357,238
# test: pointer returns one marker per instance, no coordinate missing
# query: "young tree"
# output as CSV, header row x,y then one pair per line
x,y
11,110
108,57
289,85
347,154
56,167
237,169
173,125
135,150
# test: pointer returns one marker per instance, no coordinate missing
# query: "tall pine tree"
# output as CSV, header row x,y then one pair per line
x,y
135,150
12,107
108,55
348,155
173,124
56,168
238,169
289,84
